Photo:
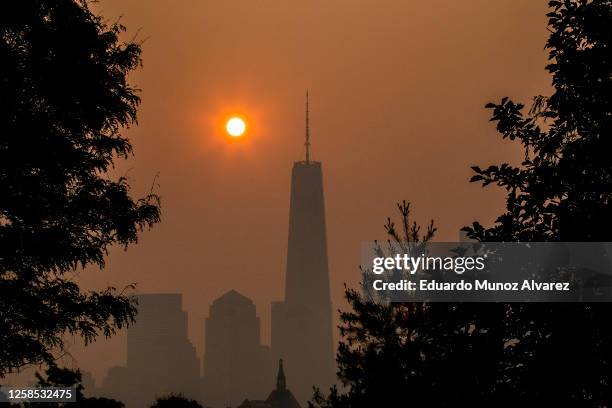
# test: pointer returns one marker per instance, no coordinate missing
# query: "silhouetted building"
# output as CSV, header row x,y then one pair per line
x,y
160,357
301,325
116,384
280,397
236,365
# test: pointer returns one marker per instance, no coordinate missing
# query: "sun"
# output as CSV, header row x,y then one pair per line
x,y
235,126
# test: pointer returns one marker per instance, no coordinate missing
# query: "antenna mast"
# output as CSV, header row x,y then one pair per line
x,y
307,143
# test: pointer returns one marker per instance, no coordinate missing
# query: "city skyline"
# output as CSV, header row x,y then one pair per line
x,y
236,366
217,204
215,62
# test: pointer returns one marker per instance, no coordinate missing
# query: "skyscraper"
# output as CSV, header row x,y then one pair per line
x,y
236,365
160,357
301,324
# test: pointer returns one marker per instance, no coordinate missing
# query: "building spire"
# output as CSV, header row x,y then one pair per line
x,y
307,143
280,377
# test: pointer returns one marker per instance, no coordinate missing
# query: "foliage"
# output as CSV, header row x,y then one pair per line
x,y
431,354
175,401
63,377
64,99
563,189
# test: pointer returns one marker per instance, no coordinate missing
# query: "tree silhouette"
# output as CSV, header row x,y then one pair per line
x,y
562,191
445,354
175,401
64,99
62,377
431,354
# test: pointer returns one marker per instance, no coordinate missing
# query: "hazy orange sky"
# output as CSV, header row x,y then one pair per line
x,y
397,93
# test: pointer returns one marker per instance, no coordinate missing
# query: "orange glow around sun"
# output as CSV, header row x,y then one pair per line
x,y
231,126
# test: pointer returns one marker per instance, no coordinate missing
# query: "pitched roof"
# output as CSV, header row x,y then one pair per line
x,y
232,296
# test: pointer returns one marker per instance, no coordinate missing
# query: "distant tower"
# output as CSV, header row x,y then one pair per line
x,y
281,381
301,325
280,397
234,358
